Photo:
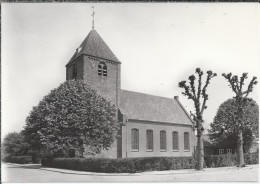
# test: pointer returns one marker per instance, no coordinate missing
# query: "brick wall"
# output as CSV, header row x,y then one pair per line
x,y
105,86
87,70
156,127
79,65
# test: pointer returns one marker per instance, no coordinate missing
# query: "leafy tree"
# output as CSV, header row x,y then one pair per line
x,y
71,117
241,99
222,127
199,98
14,145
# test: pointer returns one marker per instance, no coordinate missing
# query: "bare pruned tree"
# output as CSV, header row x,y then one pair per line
x,y
199,96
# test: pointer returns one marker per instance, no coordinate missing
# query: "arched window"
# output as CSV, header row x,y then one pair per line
x,y
135,139
149,139
163,140
175,141
102,69
186,141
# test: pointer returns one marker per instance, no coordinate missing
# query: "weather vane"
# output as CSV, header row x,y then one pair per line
x,y
93,14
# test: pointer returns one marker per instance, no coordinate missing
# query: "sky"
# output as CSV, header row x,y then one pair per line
x,y
158,44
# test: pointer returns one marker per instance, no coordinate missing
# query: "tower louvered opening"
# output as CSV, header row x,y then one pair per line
x,y
102,69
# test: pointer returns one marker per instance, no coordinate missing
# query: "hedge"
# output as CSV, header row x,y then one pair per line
x,y
35,156
122,165
252,158
18,159
141,164
229,160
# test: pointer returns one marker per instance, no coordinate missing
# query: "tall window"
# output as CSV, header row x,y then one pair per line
x,y
175,141
149,139
221,151
135,139
186,141
74,72
163,140
229,151
102,69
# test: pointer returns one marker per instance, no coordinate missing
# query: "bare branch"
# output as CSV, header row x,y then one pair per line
x,y
242,78
200,73
187,92
251,85
192,85
204,103
228,77
236,83
204,94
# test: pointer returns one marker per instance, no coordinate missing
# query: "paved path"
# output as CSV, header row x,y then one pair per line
x,y
36,173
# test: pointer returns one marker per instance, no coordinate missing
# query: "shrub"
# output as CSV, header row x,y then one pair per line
x,y
252,158
123,165
5,158
35,156
47,161
220,160
18,159
229,160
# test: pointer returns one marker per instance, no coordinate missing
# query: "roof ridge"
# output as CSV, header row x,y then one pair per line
x,y
147,94
86,39
183,108
89,34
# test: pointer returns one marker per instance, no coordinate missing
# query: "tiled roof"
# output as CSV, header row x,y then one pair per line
x,y
94,45
146,107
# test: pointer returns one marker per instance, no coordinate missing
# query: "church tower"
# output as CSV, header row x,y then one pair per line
x,y
96,64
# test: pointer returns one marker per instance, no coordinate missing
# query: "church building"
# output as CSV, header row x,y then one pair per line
x,y
151,125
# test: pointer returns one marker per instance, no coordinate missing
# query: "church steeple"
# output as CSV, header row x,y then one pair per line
x,y
94,45
97,65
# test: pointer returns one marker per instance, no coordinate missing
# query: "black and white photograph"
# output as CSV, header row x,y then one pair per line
x,y
130,92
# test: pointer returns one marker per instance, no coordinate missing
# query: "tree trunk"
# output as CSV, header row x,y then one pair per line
x,y
240,153
200,153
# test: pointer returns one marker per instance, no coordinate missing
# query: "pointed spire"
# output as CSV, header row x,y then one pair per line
x,y
93,14
94,45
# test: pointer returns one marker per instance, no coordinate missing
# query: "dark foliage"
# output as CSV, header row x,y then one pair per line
x,y
71,117
223,129
229,160
124,165
47,161
240,123
35,156
14,145
252,158
18,159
